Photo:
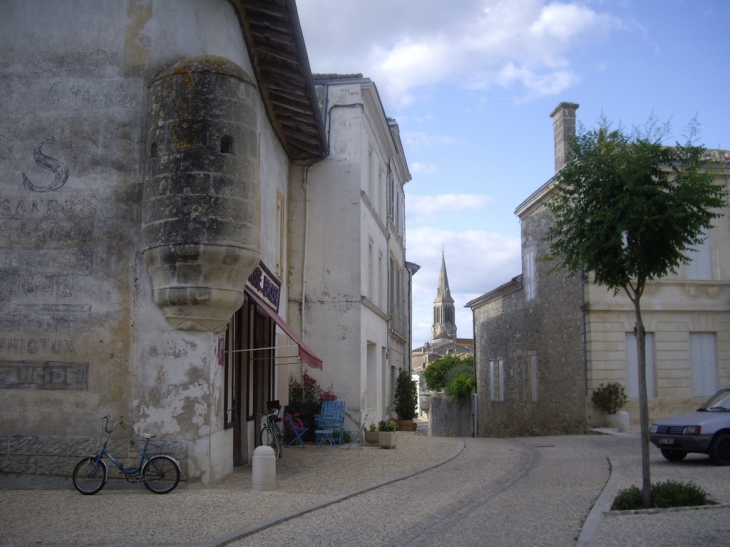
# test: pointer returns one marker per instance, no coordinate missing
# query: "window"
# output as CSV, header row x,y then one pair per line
x,y
496,380
701,265
533,377
703,357
370,269
381,282
632,366
530,280
227,145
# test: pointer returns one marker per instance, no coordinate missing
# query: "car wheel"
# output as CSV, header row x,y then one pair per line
x,y
720,449
673,455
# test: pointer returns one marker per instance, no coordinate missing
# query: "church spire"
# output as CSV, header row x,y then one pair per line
x,y
443,290
443,307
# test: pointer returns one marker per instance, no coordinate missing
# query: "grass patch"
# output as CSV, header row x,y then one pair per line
x,y
663,495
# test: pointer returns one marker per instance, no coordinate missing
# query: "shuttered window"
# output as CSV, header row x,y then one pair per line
x,y
703,357
632,366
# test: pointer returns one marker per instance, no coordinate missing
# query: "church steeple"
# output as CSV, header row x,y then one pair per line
x,y
444,325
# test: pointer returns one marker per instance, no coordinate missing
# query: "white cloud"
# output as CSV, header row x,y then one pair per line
x,y
408,44
420,208
421,139
476,262
422,168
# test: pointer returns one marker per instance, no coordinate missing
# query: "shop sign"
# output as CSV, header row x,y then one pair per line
x,y
266,286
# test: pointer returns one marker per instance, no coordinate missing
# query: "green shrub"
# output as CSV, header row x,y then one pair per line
x,y
677,494
406,396
663,495
461,387
435,373
609,399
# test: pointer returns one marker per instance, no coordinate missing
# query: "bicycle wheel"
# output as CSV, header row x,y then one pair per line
x,y
161,474
269,438
89,475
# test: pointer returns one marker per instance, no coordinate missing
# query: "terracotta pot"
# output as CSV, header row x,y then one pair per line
x,y
406,425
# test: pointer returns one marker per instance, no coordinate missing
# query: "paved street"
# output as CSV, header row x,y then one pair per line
x,y
531,491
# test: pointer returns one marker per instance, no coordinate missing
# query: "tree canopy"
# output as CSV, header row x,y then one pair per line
x,y
627,210
436,372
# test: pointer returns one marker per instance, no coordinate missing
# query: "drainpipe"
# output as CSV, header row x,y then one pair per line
x,y
305,185
475,417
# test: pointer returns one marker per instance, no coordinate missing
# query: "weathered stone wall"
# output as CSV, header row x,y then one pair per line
x,y
550,326
80,334
447,418
59,455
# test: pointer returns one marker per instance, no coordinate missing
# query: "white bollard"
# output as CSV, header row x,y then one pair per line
x,y
624,424
263,469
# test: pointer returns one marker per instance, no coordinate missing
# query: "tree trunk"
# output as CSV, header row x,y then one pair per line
x,y
643,406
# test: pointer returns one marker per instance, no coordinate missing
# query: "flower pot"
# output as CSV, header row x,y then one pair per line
x,y
619,421
371,437
406,425
387,439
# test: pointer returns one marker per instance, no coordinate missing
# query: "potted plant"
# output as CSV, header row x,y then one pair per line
x,y
406,402
610,399
371,434
387,434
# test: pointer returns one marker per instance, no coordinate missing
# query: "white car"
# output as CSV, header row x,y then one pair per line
x,y
706,431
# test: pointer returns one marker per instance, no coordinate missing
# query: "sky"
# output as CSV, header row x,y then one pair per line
x,y
472,84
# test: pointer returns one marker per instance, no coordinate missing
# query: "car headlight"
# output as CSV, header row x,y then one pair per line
x,y
692,430
653,428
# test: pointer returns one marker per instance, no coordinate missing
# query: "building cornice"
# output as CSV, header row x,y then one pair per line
x,y
514,285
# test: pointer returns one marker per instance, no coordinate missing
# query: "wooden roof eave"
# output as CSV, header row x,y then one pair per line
x,y
276,46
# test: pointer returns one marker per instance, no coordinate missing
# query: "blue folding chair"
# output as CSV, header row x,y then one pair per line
x,y
298,432
332,416
355,434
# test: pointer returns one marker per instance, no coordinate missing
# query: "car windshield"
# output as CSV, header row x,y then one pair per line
x,y
719,402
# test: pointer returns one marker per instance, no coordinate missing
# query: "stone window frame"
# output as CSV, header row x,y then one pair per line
x,y
496,395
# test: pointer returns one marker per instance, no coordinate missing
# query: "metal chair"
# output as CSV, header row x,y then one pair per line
x,y
332,416
355,434
324,436
298,431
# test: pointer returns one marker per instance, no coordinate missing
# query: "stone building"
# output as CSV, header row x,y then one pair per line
x,y
546,340
160,222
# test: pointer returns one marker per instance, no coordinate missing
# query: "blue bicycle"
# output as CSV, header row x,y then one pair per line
x,y
160,474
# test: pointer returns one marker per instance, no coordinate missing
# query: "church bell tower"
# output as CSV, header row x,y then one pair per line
x,y
444,322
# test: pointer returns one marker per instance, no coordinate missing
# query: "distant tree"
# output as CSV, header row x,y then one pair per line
x,y
435,373
627,210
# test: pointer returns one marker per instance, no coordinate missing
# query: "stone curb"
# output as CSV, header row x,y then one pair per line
x,y
254,528
658,510
603,504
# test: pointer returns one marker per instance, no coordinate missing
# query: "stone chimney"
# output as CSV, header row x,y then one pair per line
x,y
564,129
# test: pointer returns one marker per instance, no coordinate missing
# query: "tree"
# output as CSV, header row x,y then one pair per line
x,y
627,210
406,396
435,373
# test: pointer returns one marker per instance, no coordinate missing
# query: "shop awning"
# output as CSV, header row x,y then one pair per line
x,y
305,354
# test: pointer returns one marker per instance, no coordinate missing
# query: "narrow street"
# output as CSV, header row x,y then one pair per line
x,y
535,491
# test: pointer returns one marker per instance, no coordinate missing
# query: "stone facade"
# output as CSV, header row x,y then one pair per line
x,y
539,343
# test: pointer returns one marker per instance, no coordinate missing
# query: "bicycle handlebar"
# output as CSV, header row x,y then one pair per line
x,y
106,423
